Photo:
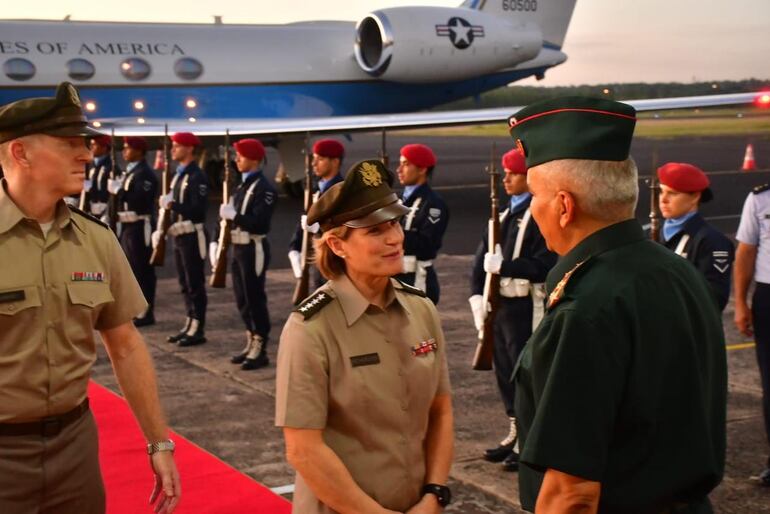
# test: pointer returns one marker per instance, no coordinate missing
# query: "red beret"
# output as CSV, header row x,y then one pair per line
x,y
136,142
250,148
515,162
329,148
683,177
419,155
102,140
186,139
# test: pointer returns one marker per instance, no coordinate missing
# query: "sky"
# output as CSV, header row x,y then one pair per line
x,y
608,40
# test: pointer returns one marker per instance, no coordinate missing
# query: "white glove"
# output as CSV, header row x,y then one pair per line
x,y
227,211
155,237
114,185
165,200
493,261
313,229
213,247
296,263
478,310
87,184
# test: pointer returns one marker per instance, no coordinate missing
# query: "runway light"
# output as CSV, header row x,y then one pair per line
x,y
90,106
191,103
97,124
606,91
714,86
139,105
191,119
140,120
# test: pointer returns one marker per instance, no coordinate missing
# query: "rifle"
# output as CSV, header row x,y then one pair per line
x,y
482,359
219,271
164,215
383,153
302,288
654,192
112,200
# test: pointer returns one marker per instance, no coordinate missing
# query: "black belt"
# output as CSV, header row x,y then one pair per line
x,y
46,427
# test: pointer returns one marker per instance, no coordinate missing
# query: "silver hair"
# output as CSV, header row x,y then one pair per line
x,y
605,190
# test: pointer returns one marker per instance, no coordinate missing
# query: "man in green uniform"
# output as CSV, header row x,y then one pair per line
x,y
63,276
621,390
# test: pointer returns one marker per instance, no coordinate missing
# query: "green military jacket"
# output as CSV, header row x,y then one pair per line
x,y
625,380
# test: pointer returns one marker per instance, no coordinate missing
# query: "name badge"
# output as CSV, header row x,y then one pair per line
x,y
12,296
425,347
87,276
368,359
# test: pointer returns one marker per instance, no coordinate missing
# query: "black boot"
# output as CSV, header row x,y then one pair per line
x,y
511,462
194,335
240,357
505,448
146,320
257,356
176,337
764,477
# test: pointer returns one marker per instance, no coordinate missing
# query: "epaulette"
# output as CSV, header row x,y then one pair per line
x,y
313,304
761,189
411,289
88,216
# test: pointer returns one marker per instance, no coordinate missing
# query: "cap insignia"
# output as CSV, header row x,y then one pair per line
x,y
370,174
74,98
520,146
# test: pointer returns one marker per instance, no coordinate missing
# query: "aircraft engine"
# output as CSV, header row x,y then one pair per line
x,y
436,44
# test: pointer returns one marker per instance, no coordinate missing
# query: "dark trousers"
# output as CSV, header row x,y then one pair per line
x,y
189,268
432,289
52,475
513,326
138,252
249,287
760,310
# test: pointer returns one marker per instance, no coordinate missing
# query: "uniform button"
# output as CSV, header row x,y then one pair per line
x,y
11,307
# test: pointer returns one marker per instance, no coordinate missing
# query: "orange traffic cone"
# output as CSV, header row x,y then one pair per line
x,y
748,159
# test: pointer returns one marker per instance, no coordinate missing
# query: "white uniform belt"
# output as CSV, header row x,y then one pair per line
x,y
411,264
98,208
514,287
131,217
243,237
184,227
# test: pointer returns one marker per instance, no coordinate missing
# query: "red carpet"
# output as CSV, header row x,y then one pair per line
x,y
209,486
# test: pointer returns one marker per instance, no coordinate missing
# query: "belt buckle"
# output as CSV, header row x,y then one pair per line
x,y
50,427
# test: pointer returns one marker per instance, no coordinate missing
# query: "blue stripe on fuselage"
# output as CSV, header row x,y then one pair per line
x,y
277,100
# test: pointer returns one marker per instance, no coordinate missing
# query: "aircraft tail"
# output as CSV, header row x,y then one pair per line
x,y
552,16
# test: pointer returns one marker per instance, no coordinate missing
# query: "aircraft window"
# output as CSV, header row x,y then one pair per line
x,y
188,68
134,68
80,69
19,69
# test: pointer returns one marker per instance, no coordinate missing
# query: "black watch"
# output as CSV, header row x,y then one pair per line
x,y
441,492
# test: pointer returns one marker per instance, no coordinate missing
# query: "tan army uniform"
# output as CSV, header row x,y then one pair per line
x,y
53,293
348,368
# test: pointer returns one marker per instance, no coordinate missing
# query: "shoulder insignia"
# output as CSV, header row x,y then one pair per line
x,y
761,189
411,289
558,291
313,304
88,216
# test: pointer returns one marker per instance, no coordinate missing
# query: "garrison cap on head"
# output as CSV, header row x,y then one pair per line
x,y
685,178
102,140
186,139
250,148
136,142
330,148
574,128
363,199
514,162
61,116
419,155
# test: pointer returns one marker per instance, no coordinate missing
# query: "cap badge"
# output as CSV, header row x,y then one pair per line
x,y
370,174
73,94
520,146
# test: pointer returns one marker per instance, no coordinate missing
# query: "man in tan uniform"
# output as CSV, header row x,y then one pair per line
x,y
63,276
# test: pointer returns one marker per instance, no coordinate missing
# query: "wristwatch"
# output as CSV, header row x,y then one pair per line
x,y
441,492
161,446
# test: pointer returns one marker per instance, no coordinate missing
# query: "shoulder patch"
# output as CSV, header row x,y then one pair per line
x,y
313,304
411,289
88,216
761,189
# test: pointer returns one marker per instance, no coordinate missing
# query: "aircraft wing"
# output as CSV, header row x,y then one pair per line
x,y
375,122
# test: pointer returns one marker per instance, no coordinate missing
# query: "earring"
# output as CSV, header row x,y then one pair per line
x,y
343,256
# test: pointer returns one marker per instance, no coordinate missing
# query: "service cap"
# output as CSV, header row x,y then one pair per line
x,y
250,148
573,127
136,142
363,199
330,148
685,178
61,116
186,139
419,155
514,162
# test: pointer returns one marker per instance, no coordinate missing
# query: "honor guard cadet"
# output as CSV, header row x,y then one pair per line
x,y
752,261
426,222
327,161
621,390
187,200
683,187
522,261
97,193
136,195
251,211
63,277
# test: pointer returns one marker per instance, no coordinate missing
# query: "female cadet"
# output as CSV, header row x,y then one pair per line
x,y
362,389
